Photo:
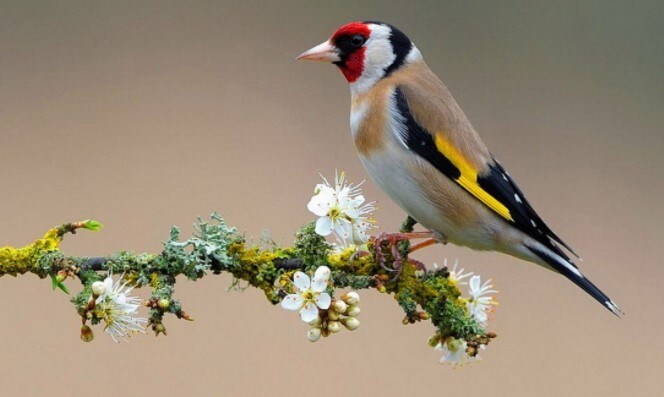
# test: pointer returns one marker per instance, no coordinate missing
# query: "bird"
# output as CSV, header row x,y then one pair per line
x,y
419,147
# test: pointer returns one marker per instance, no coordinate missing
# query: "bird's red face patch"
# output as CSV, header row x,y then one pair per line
x,y
346,39
354,66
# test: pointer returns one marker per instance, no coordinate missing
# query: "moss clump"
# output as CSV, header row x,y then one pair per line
x,y
311,248
353,262
344,280
258,269
15,261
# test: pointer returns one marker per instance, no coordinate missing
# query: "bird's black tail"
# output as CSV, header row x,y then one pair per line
x,y
569,270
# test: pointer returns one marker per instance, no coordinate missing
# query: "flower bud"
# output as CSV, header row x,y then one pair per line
x,y
86,334
60,277
352,298
339,306
382,289
98,288
454,344
352,323
334,327
164,303
434,340
332,315
159,329
315,322
353,311
314,334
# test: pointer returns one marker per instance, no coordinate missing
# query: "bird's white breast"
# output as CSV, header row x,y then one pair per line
x,y
389,166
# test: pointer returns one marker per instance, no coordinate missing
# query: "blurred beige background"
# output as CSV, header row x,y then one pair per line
x,y
147,114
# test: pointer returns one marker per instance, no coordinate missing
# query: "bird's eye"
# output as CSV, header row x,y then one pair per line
x,y
357,40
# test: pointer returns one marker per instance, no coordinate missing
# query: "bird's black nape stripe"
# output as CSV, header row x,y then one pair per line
x,y
421,142
401,45
580,281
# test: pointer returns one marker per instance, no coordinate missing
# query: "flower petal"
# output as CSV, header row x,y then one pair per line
x,y
323,300
358,200
321,277
321,203
343,229
323,272
301,281
324,226
108,283
474,285
322,188
360,232
351,210
318,284
292,302
308,312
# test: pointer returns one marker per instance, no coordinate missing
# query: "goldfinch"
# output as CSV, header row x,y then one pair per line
x,y
418,146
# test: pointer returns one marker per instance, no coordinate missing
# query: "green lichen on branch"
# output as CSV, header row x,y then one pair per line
x,y
214,248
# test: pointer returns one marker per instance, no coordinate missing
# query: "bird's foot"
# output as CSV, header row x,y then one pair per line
x,y
397,245
359,253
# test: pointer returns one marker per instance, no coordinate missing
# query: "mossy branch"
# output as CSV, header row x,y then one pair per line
x,y
216,248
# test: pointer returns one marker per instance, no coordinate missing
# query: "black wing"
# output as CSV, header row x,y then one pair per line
x,y
499,184
494,188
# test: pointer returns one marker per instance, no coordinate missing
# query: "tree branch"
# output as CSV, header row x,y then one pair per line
x,y
215,248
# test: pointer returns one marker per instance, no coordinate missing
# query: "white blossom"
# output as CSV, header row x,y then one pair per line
x,y
310,296
480,304
342,211
118,309
457,277
454,352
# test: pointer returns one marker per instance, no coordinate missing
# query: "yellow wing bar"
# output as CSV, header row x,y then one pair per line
x,y
468,178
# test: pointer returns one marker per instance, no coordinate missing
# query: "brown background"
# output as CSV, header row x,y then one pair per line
x,y
147,114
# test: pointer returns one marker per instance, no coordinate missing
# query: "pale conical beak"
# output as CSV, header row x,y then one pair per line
x,y
324,52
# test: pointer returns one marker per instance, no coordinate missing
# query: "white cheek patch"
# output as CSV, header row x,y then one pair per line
x,y
378,56
379,53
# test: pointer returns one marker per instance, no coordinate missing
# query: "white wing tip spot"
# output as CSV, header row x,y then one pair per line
x,y
517,198
614,308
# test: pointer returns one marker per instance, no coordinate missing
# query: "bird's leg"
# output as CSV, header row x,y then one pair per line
x,y
422,244
395,238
